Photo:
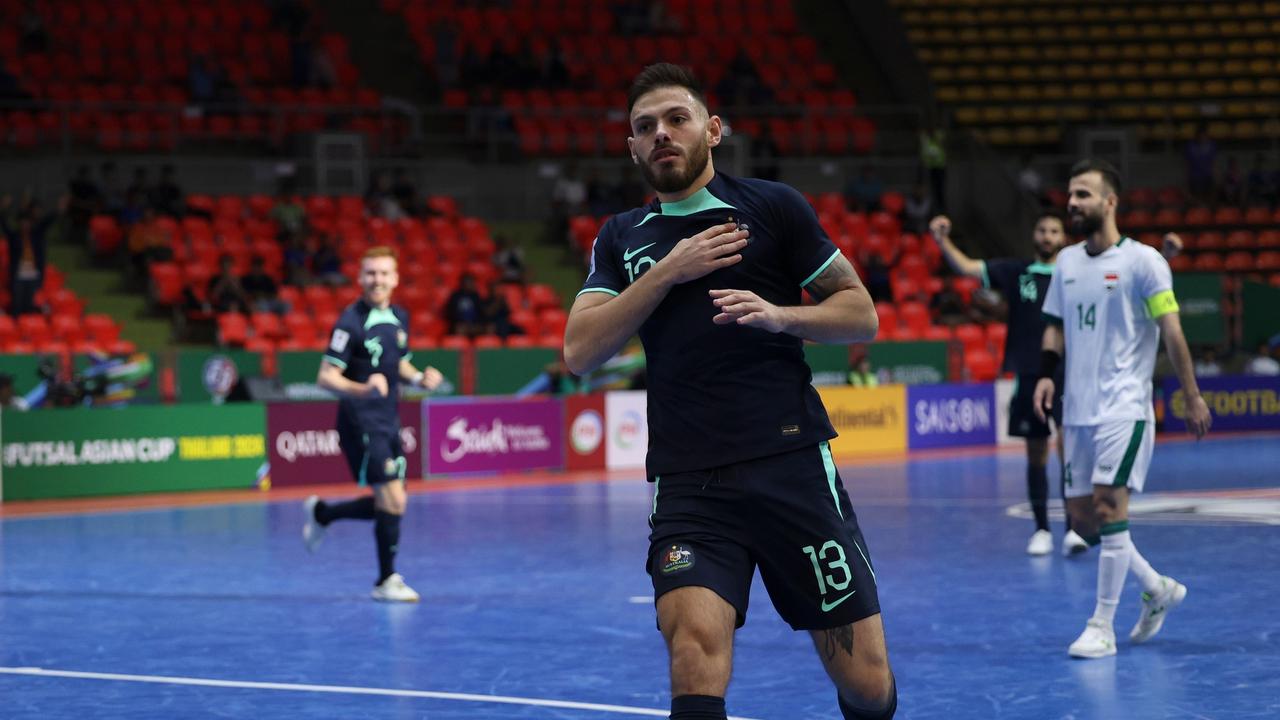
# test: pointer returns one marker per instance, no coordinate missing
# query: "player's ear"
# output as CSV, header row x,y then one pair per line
x,y
715,131
631,148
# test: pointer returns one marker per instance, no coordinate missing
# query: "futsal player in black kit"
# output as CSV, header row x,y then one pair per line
x,y
711,275
367,359
1023,283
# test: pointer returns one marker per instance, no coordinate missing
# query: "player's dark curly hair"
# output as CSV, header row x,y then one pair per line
x,y
664,75
1110,175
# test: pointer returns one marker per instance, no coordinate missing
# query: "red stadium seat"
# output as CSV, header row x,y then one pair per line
x,y
980,366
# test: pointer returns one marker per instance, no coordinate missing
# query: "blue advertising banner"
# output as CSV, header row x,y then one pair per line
x,y
1237,402
950,415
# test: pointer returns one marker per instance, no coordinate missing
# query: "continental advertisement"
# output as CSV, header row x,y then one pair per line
x,y
99,451
1236,402
869,420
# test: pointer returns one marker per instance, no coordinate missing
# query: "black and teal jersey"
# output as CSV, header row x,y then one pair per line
x,y
720,394
1023,284
368,340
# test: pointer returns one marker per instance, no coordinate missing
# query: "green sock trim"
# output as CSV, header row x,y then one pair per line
x,y
1093,540
1115,527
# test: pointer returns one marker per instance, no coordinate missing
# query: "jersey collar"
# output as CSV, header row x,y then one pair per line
x,y
695,203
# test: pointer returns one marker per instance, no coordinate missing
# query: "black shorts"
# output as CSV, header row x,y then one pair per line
x,y
373,457
788,514
1022,413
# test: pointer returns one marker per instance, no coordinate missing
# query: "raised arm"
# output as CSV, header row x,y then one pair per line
x,y
940,229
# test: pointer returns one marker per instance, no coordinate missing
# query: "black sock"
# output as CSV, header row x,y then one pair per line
x,y
386,530
885,714
697,707
1038,492
1062,491
358,509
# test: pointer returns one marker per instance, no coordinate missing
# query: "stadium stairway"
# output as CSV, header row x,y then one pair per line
x,y
103,293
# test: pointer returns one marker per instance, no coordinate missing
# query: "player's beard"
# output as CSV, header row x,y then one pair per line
x,y
672,180
1086,224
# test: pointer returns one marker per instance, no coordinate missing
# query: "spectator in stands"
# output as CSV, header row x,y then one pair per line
x,y
497,313
1031,182
261,288
9,399
861,375
405,192
167,196
35,38
226,292
509,260
764,154
379,201
1260,185
917,208
863,192
326,264
877,276
135,207
288,212
1231,189
85,199
1201,156
1207,364
139,185
27,252
949,308
112,195
933,156
323,73
202,85
147,242
1263,362
297,261
568,198
464,310
602,195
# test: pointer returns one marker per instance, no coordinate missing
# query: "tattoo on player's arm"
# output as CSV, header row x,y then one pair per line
x,y
835,639
837,276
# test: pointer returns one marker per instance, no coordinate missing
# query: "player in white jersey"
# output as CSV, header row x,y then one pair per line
x,y
1109,301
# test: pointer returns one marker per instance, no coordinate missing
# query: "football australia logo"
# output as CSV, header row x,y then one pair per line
x,y
677,558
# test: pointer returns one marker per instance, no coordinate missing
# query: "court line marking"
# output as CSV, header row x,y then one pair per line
x,y
337,689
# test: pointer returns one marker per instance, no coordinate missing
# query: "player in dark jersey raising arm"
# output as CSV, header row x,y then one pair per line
x,y
367,359
711,275
1023,283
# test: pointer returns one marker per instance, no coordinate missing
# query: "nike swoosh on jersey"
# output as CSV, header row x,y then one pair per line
x,y
829,606
628,254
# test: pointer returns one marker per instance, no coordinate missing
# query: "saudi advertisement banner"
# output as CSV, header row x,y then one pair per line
x,y
472,436
115,451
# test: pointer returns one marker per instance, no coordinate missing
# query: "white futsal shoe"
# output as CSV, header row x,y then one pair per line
x,y
312,530
1041,543
1073,544
1098,640
393,589
1155,606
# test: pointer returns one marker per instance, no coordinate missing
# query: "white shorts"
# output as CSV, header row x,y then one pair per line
x,y
1117,454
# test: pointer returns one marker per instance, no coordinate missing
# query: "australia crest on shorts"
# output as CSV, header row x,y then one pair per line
x,y
676,558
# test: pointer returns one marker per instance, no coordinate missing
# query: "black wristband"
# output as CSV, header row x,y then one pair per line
x,y
1049,360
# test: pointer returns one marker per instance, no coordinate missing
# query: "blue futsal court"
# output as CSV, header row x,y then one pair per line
x,y
536,605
